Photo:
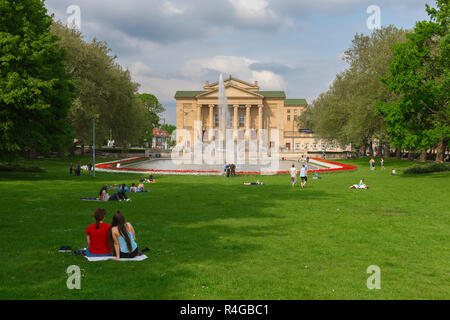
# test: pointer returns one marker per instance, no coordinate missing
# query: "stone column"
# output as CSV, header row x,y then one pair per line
x,y
235,121
211,122
235,116
199,113
247,117
260,116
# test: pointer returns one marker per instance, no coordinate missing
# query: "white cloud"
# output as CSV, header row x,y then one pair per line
x,y
267,80
172,9
253,10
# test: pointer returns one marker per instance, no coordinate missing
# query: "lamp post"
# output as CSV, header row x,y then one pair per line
x,y
293,120
93,147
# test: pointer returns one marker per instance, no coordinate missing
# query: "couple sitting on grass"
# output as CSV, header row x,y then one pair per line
x,y
118,196
149,180
117,239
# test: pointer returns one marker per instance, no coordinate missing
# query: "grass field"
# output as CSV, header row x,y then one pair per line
x,y
213,238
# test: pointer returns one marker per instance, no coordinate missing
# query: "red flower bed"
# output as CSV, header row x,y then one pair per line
x,y
112,166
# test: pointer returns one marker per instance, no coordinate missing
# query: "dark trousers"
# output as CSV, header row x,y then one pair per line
x,y
129,255
118,196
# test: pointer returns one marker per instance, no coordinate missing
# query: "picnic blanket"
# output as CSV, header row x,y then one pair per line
x,y
90,199
137,258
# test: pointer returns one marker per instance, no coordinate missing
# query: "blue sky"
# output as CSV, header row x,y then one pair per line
x,y
290,45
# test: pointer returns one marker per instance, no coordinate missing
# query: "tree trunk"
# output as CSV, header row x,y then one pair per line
x,y
31,154
398,152
442,146
387,150
371,149
82,149
423,155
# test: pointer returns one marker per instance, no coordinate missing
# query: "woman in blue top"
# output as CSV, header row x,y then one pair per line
x,y
122,238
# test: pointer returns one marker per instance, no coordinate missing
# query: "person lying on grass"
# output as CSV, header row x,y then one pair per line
x,y
103,194
97,236
120,195
252,183
361,185
122,238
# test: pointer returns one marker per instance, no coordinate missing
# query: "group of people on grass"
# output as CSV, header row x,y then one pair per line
x,y
372,164
303,175
229,169
117,239
77,171
121,194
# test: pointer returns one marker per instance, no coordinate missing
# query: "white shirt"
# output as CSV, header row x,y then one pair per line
x,y
293,172
302,172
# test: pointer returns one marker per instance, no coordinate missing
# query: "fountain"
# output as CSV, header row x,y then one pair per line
x,y
224,115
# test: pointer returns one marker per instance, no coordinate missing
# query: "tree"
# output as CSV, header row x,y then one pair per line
x,y
346,112
419,74
105,92
36,92
153,111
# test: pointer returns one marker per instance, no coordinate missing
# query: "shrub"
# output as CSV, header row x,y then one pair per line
x,y
427,168
18,168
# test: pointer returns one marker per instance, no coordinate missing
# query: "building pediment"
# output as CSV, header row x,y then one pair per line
x,y
235,82
231,91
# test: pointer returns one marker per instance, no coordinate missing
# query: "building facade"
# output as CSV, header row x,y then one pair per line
x,y
250,111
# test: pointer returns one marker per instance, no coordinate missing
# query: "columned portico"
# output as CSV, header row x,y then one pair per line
x,y
251,110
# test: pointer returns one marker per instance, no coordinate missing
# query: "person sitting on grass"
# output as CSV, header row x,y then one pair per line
x,y
252,183
133,188
97,236
103,194
122,238
361,185
316,176
393,172
141,187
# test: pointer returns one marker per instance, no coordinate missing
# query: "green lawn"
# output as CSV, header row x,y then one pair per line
x,y
213,238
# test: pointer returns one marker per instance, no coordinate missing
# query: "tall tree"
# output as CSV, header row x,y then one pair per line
x,y
35,90
420,75
105,92
346,112
154,109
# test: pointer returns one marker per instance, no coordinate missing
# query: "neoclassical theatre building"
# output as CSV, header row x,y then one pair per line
x,y
250,108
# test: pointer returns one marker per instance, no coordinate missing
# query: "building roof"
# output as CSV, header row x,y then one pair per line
x,y
187,94
272,94
266,94
295,102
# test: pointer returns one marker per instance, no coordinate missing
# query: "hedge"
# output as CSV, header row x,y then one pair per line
x,y
427,168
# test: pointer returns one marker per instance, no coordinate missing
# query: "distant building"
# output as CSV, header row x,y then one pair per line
x,y
159,140
250,110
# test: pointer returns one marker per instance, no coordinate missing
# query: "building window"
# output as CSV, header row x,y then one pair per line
x,y
241,120
288,110
295,118
295,110
216,120
288,118
297,146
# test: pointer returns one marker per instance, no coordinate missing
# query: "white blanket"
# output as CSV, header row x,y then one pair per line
x,y
137,258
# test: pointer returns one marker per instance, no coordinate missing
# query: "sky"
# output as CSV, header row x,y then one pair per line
x,y
290,45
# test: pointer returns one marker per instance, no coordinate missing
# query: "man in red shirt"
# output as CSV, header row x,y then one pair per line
x,y
97,236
